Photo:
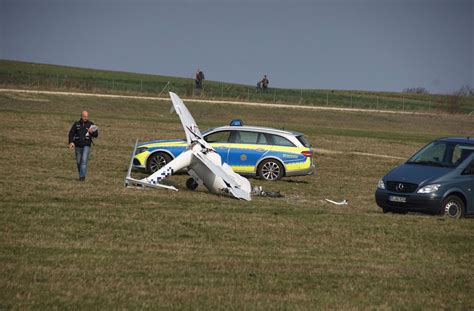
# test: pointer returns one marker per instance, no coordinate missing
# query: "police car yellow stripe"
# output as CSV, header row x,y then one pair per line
x,y
299,165
266,147
168,144
142,157
244,169
233,146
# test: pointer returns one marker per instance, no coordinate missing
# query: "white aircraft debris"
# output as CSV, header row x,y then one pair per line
x,y
343,202
202,162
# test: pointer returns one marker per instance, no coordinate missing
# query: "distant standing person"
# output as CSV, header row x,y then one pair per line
x,y
199,79
80,138
265,82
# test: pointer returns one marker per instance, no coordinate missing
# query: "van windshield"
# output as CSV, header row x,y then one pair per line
x,y
442,154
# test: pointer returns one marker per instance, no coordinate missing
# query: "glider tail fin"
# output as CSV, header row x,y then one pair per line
x,y
189,125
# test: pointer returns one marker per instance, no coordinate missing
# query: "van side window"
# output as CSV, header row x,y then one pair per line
x,y
460,153
218,137
281,141
469,169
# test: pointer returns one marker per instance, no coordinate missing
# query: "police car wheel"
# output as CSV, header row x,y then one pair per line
x,y
453,207
270,170
157,161
191,184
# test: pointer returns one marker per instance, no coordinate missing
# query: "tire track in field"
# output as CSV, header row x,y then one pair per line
x,y
365,154
226,102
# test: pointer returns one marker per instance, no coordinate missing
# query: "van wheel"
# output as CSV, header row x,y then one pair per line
x,y
191,184
271,170
453,207
157,161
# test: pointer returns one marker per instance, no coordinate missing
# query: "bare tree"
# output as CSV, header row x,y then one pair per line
x,y
465,90
416,90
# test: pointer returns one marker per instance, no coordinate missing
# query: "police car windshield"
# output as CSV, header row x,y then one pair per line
x,y
442,154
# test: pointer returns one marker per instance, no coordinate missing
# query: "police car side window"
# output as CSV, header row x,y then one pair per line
x,y
244,137
218,137
281,141
262,139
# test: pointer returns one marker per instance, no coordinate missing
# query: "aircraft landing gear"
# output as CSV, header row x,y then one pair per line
x,y
191,184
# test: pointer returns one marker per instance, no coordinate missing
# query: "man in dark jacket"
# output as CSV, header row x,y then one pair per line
x,y
199,78
80,139
265,82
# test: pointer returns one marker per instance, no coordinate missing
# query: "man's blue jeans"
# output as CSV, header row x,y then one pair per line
x,y
82,155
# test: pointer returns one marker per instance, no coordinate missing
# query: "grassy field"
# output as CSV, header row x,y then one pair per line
x,y
52,77
65,244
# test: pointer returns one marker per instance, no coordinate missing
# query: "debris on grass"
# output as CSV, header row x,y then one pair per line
x,y
258,191
343,202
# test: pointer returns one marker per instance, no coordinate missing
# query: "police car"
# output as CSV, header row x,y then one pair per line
x,y
250,150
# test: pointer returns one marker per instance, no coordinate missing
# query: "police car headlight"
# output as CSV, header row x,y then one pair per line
x,y
429,188
140,150
381,184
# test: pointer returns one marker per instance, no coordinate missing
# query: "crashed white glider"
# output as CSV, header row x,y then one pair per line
x,y
203,164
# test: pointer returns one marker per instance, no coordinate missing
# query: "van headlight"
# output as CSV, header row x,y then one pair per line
x,y
381,184
429,188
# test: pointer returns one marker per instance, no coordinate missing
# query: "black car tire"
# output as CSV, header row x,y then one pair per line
x,y
156,161
453,207
191,184
271,170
